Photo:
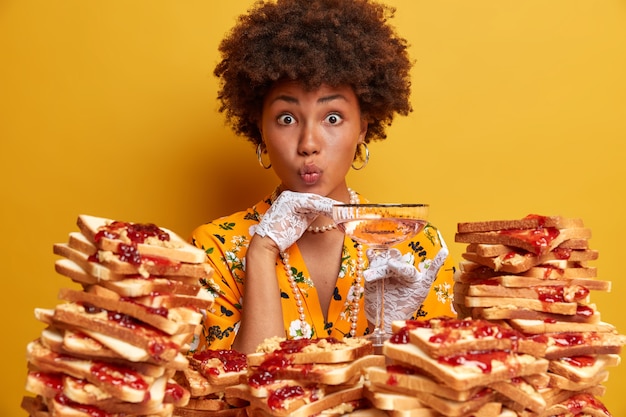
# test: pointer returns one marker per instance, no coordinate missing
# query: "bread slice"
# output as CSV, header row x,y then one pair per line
x,y
538,241
319,373
532,221
579,404
82,346
169,320
553,326
560,382
160,346
128,286
443,406
220,367
478,369
119,382
571,344
520,392
544,293
296,400
148,238
303,351
583,369
447,337
584,314
566,308
517,281
409,380
129,263
515,262
391,400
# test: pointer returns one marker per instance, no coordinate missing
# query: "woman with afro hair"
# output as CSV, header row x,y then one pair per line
x,y
310,83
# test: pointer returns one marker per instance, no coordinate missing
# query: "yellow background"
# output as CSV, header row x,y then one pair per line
x,y
108,108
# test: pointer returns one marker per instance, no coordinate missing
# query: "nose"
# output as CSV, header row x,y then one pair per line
x,y
309,143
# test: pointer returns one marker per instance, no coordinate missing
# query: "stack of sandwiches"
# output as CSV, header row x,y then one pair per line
x,y
534,276
209,374
306,377
113,345
457,368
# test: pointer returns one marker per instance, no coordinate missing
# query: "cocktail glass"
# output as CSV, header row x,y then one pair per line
x,y
379,227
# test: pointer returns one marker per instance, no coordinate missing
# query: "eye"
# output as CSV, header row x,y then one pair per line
x,y
286,119
334,119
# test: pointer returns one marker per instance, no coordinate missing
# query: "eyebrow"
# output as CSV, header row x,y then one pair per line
x,y
321,100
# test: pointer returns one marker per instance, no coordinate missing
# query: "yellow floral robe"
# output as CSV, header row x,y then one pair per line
x,y
225,241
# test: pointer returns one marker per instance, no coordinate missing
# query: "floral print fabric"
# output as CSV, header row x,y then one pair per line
x,y
225,241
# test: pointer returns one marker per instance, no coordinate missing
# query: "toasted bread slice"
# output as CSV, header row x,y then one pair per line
x,y
390,400
544,293
515,262
532,221
553,326
410,380
302,351
520,392
571,344
321,373
584,404
517,281
538,241
169,320
560,382
149,239
297,402
84,253
536,305
479,369
125,285
120,382
583,368
584,314
220,367
160,346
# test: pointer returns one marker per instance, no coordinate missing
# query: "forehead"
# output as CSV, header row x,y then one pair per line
x,y
298,91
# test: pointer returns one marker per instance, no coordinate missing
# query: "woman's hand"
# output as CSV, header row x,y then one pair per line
x,y
290,215
405,288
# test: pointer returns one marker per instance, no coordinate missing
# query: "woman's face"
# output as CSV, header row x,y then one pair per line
x,y
311,136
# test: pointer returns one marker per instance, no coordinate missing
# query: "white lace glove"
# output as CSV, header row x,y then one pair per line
x,y
404,287
291,214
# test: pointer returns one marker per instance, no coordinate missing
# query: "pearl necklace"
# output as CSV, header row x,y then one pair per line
x,y
352,301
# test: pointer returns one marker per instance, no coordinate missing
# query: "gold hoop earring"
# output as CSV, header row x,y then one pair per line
x,y
365,161
259,156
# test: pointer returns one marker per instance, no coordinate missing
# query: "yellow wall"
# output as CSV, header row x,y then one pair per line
x,y
108,108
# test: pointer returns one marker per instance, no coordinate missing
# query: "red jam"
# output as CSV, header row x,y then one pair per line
x,y
562,253
401,337
51,380
584,311
128,253
136,232
117,375
539,238
261,378
277,398
480,359
568,339
90,410
581,361
232,361
174,392
577,403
